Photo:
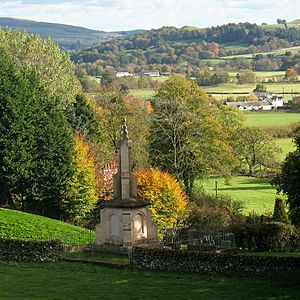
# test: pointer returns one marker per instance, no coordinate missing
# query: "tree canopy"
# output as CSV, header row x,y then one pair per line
x,y
187,135
53,67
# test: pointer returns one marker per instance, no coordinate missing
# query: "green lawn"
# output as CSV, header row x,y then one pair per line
x,y
271,119
78,281
19,225
256,193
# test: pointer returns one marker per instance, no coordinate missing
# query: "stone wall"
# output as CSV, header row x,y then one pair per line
x,y
210,263
26,251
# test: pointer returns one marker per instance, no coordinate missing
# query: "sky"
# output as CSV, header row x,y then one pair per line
x,y
113,15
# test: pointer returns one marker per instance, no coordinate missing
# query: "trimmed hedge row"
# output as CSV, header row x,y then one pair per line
x,y
274,236
210,263
30,251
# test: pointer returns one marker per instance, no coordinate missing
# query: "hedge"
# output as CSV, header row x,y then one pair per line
x,y
30,251
266,236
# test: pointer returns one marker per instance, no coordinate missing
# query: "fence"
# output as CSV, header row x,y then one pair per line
x,y
81,246
195,239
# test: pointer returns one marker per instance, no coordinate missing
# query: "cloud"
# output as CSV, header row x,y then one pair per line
x,y
132,14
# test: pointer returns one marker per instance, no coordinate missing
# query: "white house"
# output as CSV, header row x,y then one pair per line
x,y
265,102
152,74
123,74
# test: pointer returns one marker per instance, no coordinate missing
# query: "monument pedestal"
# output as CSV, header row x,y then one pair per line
x,y
125,221
126,227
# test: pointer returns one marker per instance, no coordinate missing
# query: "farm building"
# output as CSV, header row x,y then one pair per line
x,y
265,102
152,74
123,74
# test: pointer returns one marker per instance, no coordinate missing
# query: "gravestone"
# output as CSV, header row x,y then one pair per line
x,y
125,221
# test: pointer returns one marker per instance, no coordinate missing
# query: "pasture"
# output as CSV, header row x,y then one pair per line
x,y
64,280
275,52
270,119
257,194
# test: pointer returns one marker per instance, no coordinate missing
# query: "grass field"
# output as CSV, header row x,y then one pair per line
x,y
232,87
270,119
275,52
19,225
79,281
235,46
263,74
143,93
286,145
256,193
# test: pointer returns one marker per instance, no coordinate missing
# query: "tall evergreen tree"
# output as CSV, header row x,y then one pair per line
x,y
35,141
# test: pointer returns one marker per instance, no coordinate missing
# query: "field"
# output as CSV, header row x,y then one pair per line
x,y
19,225
79,281
249,87
257,194
143,93
276,52
286,145
270,119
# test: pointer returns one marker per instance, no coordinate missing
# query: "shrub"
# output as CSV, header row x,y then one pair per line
x,y
168,202
280,214
266,236
207,211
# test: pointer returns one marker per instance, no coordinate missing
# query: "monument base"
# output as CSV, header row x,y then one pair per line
x,y
125,227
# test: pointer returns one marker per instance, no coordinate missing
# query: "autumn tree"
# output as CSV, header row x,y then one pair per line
x,y
81,193
245,76
291,75
164,193
256,149
187,137
114,107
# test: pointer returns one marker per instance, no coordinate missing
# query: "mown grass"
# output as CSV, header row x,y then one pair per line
x,y
79,281
271,119
257,194
20,225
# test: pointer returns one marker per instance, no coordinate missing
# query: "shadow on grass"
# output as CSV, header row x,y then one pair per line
x,y
254,188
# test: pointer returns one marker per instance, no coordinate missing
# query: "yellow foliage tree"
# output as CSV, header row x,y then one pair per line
x,y
168,202
81,196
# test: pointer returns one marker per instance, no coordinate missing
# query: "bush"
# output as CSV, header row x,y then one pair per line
x,y
207,211
168,202
266,236
280,214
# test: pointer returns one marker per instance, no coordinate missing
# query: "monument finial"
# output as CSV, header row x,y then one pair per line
x,y
124,131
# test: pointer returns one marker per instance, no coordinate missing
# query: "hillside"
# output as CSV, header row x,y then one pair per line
x,y
171,49
67,37
20,225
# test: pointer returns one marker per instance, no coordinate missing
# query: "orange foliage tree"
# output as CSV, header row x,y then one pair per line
x,y
168,202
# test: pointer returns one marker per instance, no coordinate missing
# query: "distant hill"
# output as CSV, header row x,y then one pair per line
x,y
66,36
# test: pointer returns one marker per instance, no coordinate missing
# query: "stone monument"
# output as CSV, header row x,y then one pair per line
x,y
126,220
